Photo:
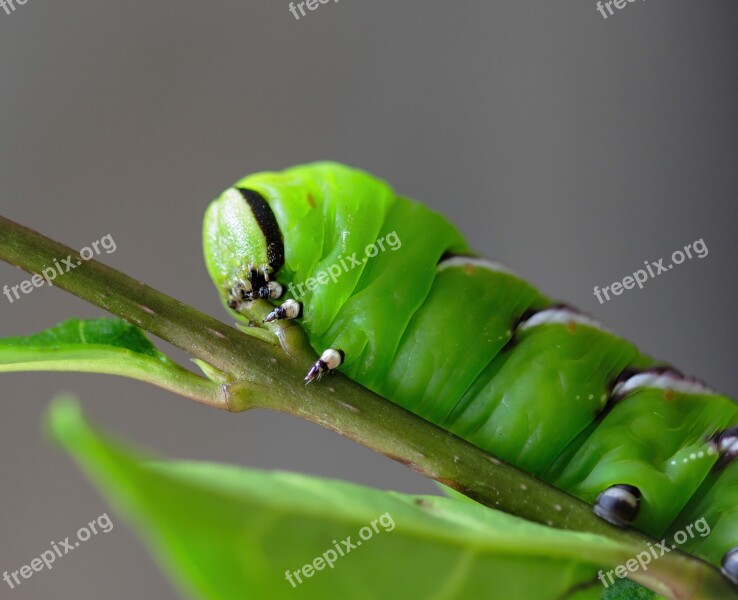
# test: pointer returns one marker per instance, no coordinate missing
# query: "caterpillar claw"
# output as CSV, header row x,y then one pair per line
x,y
315,372
330,359
291,309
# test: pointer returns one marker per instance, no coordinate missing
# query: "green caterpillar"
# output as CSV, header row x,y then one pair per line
x,y
388,291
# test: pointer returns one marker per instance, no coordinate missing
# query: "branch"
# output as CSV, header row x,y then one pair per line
x,y
264,376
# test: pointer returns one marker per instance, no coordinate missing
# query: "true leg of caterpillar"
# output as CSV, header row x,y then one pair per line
x,y
273,290
244,292
253,288
286,333
291,309
329,360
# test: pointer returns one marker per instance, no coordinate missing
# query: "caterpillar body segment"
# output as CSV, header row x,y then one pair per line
x,y
454,332
468,345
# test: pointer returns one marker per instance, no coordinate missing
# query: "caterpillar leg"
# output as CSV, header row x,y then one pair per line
x,y
291,309
253,288
329,360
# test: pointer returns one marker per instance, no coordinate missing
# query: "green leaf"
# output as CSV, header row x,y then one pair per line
x,y
110,346
224,532
624,589
93,332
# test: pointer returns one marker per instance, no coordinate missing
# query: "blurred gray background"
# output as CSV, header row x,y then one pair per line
x,y
571,147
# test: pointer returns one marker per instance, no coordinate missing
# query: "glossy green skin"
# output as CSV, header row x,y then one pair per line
x,y
717,502
231,231
446,328
442,343
537,397
327,211
623,446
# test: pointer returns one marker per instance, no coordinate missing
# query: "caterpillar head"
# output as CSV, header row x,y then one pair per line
x,y
243,246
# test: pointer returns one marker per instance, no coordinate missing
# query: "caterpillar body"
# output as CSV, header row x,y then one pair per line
x,y
468,345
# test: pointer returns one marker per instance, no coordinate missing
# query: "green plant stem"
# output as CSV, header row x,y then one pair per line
x,y
266,377
103,360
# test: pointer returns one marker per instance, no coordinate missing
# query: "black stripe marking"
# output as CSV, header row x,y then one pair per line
x,y
726,444
447,255
269,227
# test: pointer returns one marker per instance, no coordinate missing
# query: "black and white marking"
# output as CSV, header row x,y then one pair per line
x,y
729,565
291,309
561,315
267,222
726,443
329,360
619,504
254,288
661,378
254,283
459,261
